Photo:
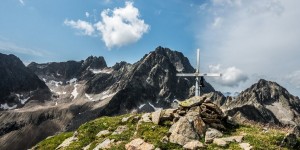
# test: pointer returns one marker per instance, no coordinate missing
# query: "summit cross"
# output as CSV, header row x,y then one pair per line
x,y
198,75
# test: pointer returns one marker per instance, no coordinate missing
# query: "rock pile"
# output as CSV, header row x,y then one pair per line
x,y
195,118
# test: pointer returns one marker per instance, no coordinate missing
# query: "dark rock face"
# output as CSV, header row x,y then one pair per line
x,y
152,80
265,102
19,83
62,71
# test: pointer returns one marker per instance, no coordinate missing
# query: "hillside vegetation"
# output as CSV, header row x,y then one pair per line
x,y
85,137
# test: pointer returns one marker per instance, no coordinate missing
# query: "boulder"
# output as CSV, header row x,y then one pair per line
x,y
139,144
103,133
156,116
120,130
211,134
245,146
104,145
146,118
193,145
220,142
193,101
182,132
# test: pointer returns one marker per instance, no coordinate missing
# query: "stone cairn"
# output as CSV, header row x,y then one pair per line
x,y
195,118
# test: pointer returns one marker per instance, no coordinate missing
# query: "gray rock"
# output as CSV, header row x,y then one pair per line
x,y
146,118
120,130
211,134
104,145
139,144
245,146
103,133
182,132
156,116
220,142
193,145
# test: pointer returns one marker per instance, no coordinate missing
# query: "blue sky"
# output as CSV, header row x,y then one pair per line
x,y
245,40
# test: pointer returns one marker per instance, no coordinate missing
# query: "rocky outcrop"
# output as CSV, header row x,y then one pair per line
x,y
18,84
265,102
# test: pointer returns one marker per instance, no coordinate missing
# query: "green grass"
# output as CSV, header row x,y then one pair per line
x,y
153,134
53,142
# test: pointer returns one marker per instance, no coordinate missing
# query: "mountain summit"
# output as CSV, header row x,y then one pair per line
x,y
266,102
18,84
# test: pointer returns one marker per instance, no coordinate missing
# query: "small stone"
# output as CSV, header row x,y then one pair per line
x,y
120,130
211,134
156,116
208,100
168,114
238,139
104,145
193,145
245,146
145,117
139,144
103,133
220,142
125,119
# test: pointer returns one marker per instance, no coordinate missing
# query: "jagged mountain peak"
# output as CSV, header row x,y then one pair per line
x,y
94,62
267,102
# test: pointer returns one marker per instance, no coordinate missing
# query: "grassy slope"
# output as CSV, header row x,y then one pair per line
x,y
152,133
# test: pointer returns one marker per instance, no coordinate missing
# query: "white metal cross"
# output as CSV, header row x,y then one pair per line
x,y
198,75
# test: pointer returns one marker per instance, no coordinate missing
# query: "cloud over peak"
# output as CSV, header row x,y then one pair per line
x,y
121,26
231,76
85,27
118,27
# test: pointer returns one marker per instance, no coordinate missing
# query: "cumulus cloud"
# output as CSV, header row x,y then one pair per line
x,y
294,78
86,27
259,36
121,26
231,76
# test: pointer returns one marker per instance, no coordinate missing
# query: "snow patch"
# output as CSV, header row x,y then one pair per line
x,y
44,80
72,81
155,108
141,106
56,83
58,74
6,107
21,99
89,97
97,71
74,92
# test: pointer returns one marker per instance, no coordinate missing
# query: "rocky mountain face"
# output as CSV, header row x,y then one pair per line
x,y
84,90
265,102
18,84
63,71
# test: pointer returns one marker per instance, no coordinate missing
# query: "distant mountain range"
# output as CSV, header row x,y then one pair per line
x,y
42,99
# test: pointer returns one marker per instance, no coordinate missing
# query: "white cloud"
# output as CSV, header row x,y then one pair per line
x,y
231,76
294,78
86,27
259,36
87,14
22,2
121,26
